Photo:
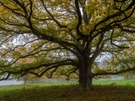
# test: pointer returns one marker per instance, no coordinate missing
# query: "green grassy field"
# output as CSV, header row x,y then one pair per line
x,y
103,90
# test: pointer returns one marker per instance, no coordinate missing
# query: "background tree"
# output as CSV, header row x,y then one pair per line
x,y
60,33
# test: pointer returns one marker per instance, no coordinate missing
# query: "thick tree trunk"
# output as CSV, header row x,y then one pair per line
x,y
85,81
85,76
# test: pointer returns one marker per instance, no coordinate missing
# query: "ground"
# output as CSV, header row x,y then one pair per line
x,y
116,90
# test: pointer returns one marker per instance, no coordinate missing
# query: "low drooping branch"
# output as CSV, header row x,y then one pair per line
x,y
47,66
114,73
72,71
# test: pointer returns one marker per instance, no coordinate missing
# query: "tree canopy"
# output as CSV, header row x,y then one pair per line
x,y
42,37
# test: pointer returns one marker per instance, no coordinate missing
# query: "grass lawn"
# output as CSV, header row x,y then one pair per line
x,y
115,90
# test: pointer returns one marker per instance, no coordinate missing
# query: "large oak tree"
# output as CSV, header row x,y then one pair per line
x,y
43,37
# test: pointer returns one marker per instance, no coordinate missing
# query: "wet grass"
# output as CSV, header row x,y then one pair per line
x,y
101,92
125,82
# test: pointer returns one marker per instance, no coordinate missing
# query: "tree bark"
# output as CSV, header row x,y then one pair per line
x,y
85,81
85,75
